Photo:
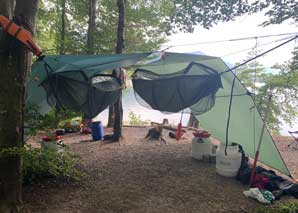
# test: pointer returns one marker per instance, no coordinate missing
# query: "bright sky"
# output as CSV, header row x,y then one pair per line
x,y
245,26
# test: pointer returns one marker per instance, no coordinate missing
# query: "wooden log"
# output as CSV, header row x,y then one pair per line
x,y
194,129
173,128
168,127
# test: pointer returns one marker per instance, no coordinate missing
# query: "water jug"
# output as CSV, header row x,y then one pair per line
x,y
228,165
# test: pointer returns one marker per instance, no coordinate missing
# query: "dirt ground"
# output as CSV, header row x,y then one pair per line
x,y
289,154
141,176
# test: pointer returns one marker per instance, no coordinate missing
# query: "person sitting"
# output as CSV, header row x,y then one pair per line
x,y
85,127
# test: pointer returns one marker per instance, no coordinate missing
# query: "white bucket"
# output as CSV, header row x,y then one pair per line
x,y
201,147
228,165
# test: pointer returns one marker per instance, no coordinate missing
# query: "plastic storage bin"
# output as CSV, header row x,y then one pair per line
x,y
97,131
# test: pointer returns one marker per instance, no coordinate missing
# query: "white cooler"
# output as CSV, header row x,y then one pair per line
x,y
202,147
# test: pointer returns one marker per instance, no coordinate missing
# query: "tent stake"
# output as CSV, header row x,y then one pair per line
x,y
252,174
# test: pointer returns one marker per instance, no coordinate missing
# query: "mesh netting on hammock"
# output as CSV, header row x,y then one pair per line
x,y
73,90
197,85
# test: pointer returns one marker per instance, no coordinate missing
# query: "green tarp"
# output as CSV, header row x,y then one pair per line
x,y
245,123
71,81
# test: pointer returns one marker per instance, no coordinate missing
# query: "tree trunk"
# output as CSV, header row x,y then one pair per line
x,y
118,109
193,121
111,119
91,26
121,25
7,7
62,41
15,63
119,72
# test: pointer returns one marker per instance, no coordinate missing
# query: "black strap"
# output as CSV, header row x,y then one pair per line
x,y
8,26
18,31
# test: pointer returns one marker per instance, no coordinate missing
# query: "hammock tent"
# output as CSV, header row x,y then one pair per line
x,y
77,82
245,120
174,92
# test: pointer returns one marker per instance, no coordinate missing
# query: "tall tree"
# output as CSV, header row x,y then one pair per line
x,y
111,118
91,26
118,110
144,30
62,29
15,62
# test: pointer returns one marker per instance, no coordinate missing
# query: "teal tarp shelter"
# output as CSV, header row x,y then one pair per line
x,y
78,82
67,80
245,120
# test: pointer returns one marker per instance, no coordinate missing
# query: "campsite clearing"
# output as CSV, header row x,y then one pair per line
x,y
143,176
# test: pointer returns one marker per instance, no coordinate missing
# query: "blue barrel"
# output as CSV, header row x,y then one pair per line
x,y
97,131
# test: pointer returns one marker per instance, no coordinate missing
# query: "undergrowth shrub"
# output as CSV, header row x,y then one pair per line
x,y
44,163
135,120
289,207
34,121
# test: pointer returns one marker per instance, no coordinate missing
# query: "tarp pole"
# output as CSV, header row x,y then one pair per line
x,y
252,174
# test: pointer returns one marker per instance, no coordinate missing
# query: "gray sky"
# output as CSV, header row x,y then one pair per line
x,y
244,26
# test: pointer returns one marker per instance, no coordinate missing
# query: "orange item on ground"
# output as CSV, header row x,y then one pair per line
x,y
179,132
20,33
202,134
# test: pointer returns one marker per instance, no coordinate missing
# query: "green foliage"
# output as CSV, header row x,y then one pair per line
x,y
49,27
277,11
146,27
45,33
144,31
39,163
289,207
135,120
146,24
187,14
35,121
282,84
45,162
32,119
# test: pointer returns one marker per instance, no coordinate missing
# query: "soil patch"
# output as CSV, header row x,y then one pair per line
x,y
142,176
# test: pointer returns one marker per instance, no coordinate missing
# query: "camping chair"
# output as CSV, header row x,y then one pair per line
x,y
294,144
